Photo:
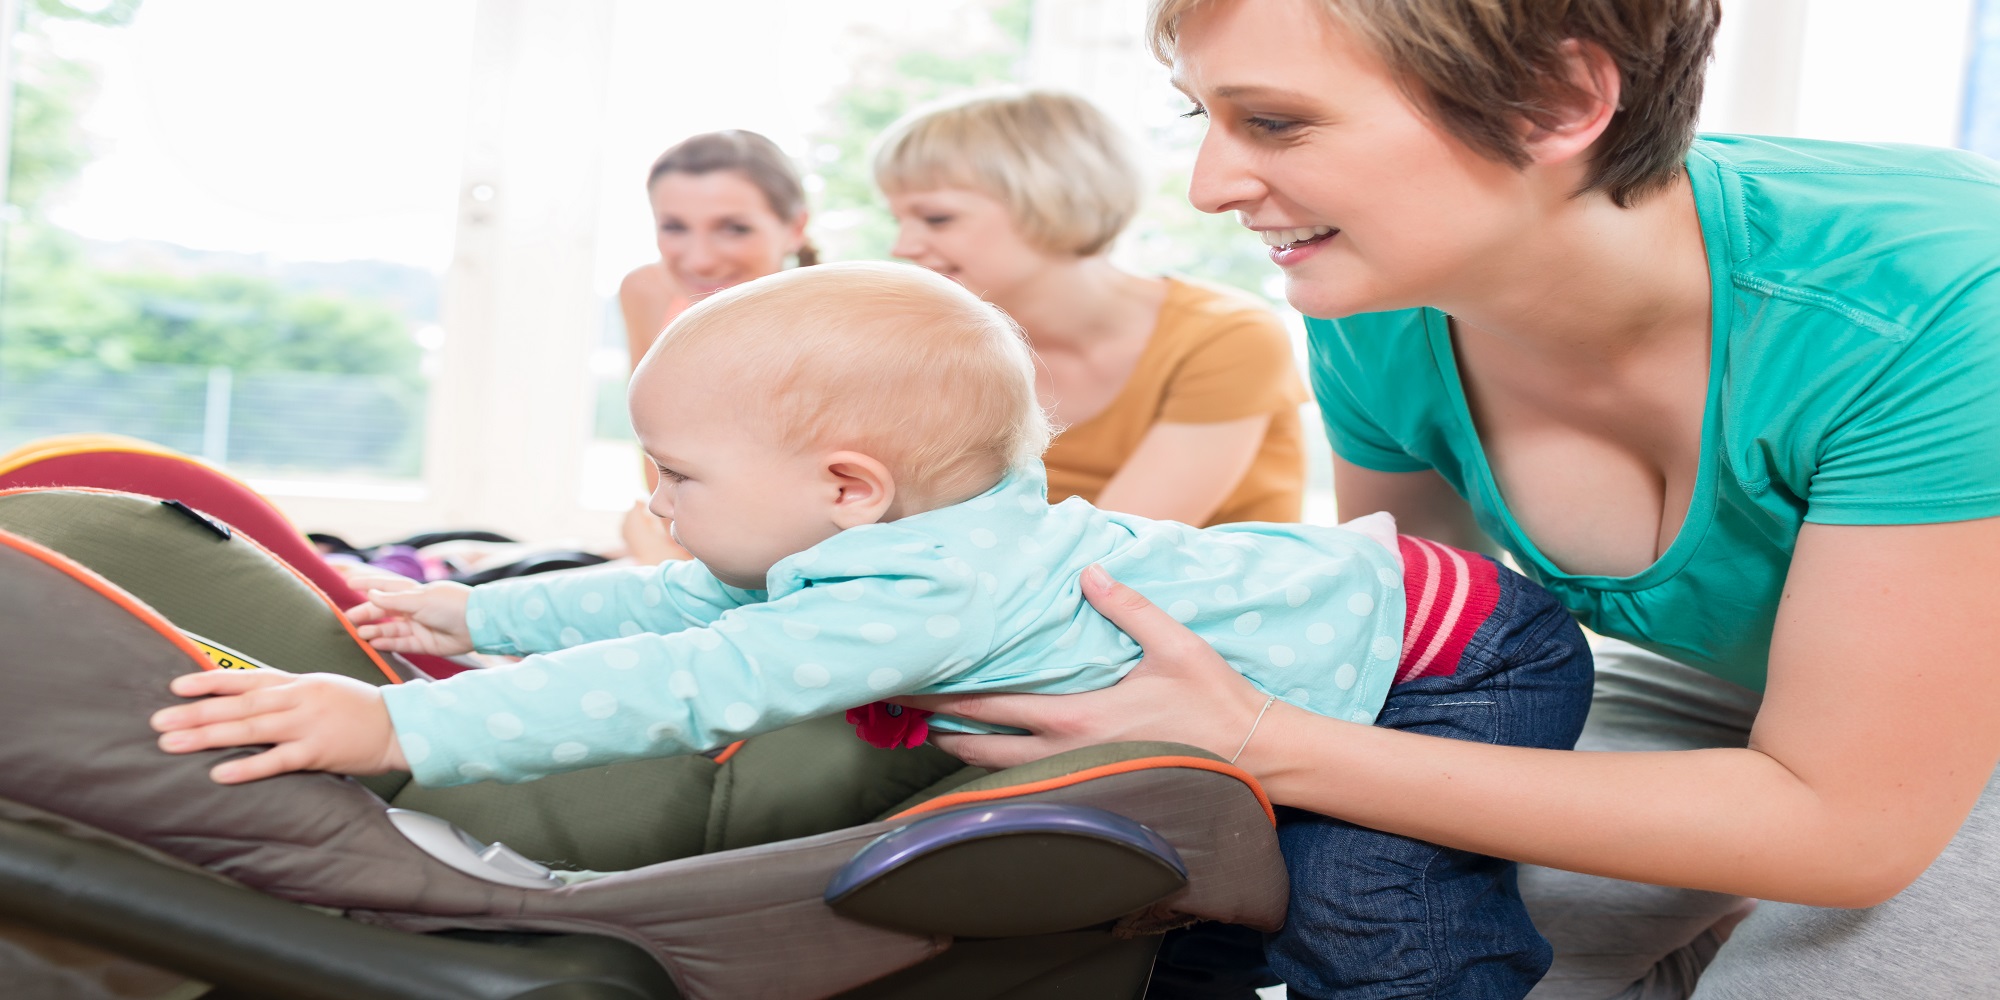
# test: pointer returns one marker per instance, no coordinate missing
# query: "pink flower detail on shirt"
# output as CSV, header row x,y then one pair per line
x,y
890,726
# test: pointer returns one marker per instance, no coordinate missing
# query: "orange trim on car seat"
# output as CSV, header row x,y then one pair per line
x,y
1087,774
110,591
728,752
339,615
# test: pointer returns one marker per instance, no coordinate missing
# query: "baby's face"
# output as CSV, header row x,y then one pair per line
x,y
738,502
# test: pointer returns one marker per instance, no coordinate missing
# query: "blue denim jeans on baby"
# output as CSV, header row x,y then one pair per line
x,y
1376,916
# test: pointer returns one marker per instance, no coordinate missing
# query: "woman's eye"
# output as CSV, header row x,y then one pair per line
x,y
1195,112
736,229
670,475
1270,126
672,227
935,221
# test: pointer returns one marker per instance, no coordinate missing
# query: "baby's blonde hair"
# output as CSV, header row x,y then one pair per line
x,y
889,360
1058,163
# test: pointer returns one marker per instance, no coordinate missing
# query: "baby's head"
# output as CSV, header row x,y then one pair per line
x,y
793,407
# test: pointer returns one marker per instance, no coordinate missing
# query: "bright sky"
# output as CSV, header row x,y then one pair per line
x,y
333,129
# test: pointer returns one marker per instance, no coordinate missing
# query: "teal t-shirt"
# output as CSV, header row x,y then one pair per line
x,y
1854,379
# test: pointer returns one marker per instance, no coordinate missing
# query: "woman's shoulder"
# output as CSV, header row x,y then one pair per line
x,y
647,282
648,300
1894,238
1198,312
1864,285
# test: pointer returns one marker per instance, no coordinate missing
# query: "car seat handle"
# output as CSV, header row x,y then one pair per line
x,y
1007,870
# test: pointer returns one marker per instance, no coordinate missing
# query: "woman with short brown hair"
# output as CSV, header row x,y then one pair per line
x,y
1729,398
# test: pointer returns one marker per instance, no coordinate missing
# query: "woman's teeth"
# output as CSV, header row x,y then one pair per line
x,y
1287,237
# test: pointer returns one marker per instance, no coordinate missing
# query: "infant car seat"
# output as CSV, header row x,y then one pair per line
x,y
111,462
803,863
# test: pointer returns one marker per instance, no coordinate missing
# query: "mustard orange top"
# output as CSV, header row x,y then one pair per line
x,y
1215,355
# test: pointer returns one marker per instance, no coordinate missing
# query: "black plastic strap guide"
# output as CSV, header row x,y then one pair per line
x,y
221,530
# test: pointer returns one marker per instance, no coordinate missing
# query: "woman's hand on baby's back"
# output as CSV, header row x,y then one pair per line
x,y
428,619
1181,692
313,722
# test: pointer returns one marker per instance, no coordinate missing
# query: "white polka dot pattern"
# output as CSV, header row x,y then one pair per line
x,y
900,606
505,726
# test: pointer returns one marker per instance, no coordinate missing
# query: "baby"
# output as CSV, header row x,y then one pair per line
x,y
850,452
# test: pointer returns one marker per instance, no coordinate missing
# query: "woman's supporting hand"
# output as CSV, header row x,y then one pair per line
x,y
314,722
1181,692
427,619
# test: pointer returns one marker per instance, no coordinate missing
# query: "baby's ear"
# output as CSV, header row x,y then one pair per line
x,y
864,492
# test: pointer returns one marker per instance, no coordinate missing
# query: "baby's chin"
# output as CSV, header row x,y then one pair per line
x,y
736,578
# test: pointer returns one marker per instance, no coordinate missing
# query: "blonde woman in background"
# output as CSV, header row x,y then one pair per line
x,y
1178,400
727,207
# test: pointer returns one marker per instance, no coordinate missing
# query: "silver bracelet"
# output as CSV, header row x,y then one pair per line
x,y
1253,728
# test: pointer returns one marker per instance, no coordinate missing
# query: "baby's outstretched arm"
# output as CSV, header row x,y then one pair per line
x,y
314,722
427,619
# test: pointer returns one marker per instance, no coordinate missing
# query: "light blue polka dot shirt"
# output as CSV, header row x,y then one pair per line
x,y
984,595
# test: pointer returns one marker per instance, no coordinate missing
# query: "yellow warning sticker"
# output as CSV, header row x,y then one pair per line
x,y
221,655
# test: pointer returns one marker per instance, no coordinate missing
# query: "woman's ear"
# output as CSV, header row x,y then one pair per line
x,y
795,232
1568,130
863,490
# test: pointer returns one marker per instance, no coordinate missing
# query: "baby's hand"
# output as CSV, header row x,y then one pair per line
x,y
427,619
315,722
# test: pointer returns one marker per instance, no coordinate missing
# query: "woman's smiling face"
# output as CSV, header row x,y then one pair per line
x,y
716,229
1368,204
966,236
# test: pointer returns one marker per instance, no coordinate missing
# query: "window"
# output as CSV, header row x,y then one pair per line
x,y
1979,127
225,236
